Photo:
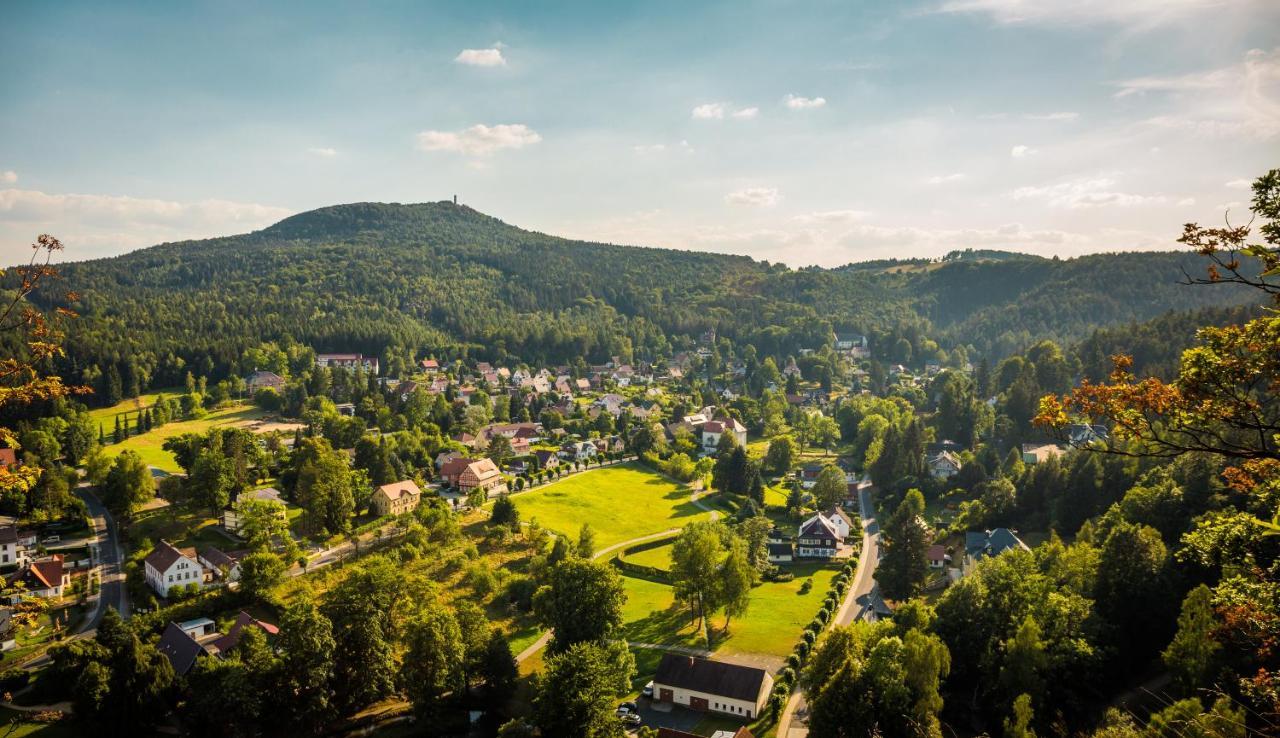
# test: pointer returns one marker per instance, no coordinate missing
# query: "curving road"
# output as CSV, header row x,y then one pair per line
x,y
857,605
110,563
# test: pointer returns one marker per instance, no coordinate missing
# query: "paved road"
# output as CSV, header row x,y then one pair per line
x,y
856,606
113,591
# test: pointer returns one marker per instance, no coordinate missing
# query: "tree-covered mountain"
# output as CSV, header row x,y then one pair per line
x,y
396,280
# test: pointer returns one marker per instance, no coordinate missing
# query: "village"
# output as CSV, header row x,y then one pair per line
x,y
619,456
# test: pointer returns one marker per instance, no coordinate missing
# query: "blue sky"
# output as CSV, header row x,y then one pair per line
x,y
803,132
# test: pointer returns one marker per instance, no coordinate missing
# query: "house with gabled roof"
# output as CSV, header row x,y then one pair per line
x,y
46,577
167,567
181,648
712,686
264,380
482,474
13,548
231,518
817,539
979,545
395,498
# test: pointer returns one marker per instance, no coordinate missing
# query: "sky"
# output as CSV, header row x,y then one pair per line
x,y
809,132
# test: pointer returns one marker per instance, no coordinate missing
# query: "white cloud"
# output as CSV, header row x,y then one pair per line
x,y
831,216
945,178
709,111
95,225
1053,116
1022,151
1141,14
1077,194
8,176
1239,184
649,148
803,103
719,110
754,196
1186,202
479,140
1238,100
323,152
481,57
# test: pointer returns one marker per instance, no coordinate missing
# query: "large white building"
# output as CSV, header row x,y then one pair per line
x,y
167,567
712,686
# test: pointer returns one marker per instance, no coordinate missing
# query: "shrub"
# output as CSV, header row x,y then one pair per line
x,y
11,680
806,586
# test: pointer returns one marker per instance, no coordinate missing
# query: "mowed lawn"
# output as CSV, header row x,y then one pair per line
x,y
148,445
130,407
773,623
620,502
659,558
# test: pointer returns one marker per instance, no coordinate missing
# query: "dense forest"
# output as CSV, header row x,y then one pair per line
x,y
395,280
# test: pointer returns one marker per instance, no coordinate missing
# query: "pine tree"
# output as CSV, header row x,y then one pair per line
x,y
118,436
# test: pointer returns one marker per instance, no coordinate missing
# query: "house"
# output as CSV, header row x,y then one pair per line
x,y
349,362
817,538
577,450
1036,453
13,549
944,465
45,577
713,686
224,566
395,498
430,366
181,648
7,640
1080,434
8,458
809,475
264,380
224,643
483,475
167,567
779,547
231,519
840,521
452,467
546,459
849,341
199,628
712,430
979,545
938,556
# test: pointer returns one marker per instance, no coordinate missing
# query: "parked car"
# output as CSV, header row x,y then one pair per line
x,y
648,690
52,539
631,719
629,706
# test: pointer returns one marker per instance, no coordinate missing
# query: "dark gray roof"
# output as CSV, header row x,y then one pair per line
x,y
776,549
8,534
991,542
710,677
180,648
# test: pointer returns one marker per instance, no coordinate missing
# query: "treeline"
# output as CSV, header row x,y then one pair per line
x,y
394,280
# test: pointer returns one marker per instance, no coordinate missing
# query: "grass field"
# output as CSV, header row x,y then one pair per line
x,y
656,557
771,627
130,407
18,725
148,445
620,502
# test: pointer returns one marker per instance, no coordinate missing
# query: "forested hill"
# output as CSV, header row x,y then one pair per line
x,y
395,280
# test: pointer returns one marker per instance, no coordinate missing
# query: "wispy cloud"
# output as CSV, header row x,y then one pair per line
x,y
1139,14
479,140
1240,99
796,102
1239,184
491,57
939,179
1022,151
719,110
323,152
1087,192
8,176
1053,116
96,224
754,196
